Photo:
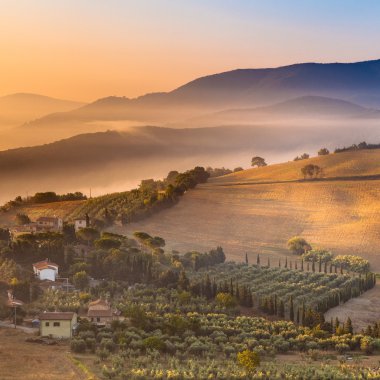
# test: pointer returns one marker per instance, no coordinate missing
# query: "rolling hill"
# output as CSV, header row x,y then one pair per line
x,y
258,210
356,82
300,94
16,109
117,160
304,108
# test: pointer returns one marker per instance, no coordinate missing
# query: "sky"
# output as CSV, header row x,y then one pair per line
x,y
87,49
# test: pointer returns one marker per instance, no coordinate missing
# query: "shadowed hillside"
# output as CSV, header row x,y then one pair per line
x,y
117,161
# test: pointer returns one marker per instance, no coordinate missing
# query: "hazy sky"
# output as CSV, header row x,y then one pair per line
x,y
86,49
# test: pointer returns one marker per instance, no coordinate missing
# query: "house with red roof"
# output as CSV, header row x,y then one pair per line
x,y
46,270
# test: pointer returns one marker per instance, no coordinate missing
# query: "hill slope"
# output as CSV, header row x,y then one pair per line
x,y
19,108
258,210
301,108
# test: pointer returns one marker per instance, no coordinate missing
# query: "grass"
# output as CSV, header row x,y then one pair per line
x,y
31,361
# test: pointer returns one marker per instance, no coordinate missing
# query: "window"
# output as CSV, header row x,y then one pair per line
x,y
47,324
56,324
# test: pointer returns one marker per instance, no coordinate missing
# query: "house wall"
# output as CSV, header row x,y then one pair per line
x,y
47,274
102,320
64,330
80,224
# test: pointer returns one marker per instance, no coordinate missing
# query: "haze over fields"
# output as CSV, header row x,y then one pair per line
x,y
278,113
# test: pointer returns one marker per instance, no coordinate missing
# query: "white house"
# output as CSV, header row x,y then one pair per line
x,y
79,224
46,270
49,223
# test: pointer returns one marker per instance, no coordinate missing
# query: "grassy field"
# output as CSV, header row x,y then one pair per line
x,y
258,210
31,361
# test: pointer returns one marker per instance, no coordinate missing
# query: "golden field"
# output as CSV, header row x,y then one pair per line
x,y
258,210
31,361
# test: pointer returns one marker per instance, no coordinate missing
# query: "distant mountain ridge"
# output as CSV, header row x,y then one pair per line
x,y
355,82
305,107
19,108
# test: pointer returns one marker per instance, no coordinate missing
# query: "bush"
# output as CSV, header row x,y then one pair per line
x,y
318,254
154,343
78,345
352,263
298,245
250,360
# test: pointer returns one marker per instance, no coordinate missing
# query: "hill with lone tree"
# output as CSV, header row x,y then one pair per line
x,y
259,209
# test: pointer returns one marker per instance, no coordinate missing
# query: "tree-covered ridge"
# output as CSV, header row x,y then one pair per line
x,y
42,197
151,196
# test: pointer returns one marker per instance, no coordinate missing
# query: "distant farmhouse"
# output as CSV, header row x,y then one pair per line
x,y
81,223
46,270
25,229
50,223
58,324
43,224
100,312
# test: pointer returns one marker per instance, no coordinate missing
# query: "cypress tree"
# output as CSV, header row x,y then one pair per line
x,y
302,265
281,309
246,258
258,260
348,326
291,309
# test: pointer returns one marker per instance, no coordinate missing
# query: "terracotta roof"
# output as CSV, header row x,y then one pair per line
x,y
62,315
99,313
44,264
99,301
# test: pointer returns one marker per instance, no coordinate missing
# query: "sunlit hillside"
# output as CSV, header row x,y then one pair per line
x,y
258,210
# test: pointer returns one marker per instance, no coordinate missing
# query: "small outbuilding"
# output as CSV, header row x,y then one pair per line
x,y
46,270
58,324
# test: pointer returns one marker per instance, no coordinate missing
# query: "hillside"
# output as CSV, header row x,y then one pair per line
x,y
118,160
301,108
16,109
258,210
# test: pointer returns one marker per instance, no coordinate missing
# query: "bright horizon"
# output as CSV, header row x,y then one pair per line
x,y
91,49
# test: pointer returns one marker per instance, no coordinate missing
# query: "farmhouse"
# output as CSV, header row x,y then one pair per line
x,y
46,270
49,223
100,312
24,229
58,324
79,224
